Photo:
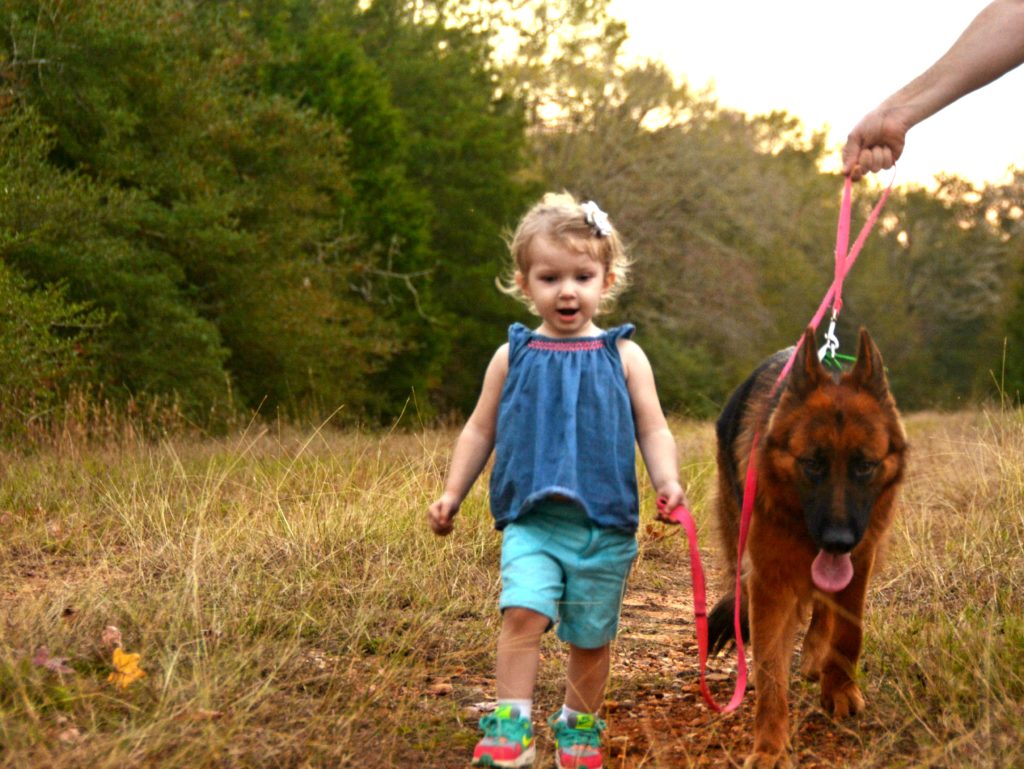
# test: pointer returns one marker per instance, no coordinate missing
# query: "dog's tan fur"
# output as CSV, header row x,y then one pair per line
x,y
853,424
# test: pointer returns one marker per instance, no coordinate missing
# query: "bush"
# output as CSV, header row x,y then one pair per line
x,y
44,342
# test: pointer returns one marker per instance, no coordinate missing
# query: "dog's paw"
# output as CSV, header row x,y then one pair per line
x,y
842,701
761,760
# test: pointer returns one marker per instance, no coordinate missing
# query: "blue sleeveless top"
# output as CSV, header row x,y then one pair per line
x,y
565,428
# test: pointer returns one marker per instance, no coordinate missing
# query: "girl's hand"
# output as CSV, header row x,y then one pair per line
x,y
441,514
670,496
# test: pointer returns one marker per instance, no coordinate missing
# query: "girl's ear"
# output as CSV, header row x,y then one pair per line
x,y
520,280
609,279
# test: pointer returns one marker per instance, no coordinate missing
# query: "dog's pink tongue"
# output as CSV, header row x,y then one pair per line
x,y
831,573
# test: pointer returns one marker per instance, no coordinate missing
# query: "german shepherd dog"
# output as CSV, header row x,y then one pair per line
x,y
830,458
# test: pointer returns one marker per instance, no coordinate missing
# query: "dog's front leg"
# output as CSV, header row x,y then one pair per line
x,y
840,694
818,640
773,621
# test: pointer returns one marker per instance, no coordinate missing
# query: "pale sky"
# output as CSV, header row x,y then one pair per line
x,y
828,62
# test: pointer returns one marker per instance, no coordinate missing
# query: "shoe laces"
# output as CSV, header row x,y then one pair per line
x,y
572,735
510,727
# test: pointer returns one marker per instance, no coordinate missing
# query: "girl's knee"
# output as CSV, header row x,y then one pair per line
x,y
597,651
523,620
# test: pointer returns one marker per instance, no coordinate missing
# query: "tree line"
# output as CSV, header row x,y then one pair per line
x,y
300,207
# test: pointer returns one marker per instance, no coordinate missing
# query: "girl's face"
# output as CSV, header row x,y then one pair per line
x,y
565,287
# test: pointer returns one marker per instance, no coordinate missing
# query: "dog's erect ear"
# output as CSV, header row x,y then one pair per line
x,y
807,373
869,372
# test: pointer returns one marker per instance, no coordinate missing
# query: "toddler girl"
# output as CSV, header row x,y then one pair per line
x,y
563,407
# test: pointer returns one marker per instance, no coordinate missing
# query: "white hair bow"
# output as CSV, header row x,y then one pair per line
x,y
597,219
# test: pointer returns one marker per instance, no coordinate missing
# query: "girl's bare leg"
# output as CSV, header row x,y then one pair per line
x,y
519,652
587,676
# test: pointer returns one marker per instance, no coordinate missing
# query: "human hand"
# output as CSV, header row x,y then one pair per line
x,y
670,496
441,514
876,142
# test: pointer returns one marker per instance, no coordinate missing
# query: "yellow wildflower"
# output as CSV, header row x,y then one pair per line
x,y
126,669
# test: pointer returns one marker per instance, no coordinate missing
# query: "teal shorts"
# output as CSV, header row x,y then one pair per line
x,y
556,562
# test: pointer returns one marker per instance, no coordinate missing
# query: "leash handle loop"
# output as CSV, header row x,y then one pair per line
x,y
683,517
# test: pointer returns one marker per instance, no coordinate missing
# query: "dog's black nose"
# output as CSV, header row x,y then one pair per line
x,y
838,539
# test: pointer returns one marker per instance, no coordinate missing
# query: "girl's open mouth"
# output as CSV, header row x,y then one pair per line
x,y
567,313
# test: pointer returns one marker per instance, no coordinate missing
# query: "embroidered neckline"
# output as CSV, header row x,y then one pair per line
x,y
566,346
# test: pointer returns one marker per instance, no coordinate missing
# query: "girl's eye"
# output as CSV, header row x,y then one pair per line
x,y
584,277
547,278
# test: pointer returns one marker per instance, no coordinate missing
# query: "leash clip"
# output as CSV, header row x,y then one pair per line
x,y
827,352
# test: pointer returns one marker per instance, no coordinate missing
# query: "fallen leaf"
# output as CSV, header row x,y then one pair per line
x,y
126,669
70,736
440,689
316,658
111,636
655,533
43,659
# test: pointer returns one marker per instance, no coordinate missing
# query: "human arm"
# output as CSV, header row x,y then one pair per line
x,y
657,444
472,448
990,46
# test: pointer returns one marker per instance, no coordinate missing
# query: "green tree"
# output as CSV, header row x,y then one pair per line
x,y
934,276
44,349
727,217
318,59
434,153
1004,210
237,194
61,228
466,152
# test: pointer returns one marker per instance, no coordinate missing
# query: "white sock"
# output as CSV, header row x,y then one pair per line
x,y
525,707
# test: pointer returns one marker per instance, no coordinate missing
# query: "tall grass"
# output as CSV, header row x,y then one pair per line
x,y
947,651
281,589
292,609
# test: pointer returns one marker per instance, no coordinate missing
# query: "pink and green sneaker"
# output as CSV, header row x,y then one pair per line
x,y
577,741
507,740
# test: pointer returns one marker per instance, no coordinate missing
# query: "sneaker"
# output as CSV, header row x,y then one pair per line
x,y
577,741
507,741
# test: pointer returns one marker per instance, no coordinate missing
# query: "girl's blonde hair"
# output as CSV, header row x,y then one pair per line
x,y
562,219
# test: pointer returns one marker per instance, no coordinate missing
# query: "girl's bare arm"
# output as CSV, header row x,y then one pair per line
x,y
473,446
990,46
657,444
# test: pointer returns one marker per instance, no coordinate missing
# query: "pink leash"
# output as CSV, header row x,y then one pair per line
x,y
844,259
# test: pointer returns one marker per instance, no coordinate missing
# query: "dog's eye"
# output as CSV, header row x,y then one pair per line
x,y
863,468
813,467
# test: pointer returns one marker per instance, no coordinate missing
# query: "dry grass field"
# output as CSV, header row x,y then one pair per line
x,y
290,608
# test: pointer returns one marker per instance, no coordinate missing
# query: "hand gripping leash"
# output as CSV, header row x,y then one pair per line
x,y
845,256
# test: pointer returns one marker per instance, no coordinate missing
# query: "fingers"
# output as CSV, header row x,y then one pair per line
x,y
857,162
851,154
876,158
874,144
669,499
665,516
441,517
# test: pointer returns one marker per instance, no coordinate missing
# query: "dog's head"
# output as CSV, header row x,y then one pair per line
x,y
835,449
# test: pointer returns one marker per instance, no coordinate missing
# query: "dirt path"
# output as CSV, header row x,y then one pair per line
x,y
654,710
658,717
